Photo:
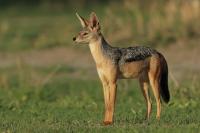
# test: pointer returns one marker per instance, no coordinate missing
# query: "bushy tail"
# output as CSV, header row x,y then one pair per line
x,y
164,90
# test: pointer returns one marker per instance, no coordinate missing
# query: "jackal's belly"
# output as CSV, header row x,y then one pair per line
x,y
132,69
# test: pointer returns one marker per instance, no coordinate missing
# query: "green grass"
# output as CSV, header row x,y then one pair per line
x,y
76,105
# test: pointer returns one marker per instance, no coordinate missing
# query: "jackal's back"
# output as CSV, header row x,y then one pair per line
x,y
130,54
136,53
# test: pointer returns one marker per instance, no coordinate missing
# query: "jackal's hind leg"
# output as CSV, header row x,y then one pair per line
x,y
156,91
145,91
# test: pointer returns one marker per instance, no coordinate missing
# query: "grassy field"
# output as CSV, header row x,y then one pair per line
x,y
48,84
76,105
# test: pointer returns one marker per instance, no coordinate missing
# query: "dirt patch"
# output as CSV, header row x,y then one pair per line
x,y
48,57
182,59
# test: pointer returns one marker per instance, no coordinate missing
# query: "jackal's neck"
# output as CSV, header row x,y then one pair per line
x,y
96,48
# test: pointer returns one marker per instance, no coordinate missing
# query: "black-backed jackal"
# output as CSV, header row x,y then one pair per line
x,y
143,63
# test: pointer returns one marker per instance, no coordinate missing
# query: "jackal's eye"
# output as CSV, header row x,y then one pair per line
x,y
85,33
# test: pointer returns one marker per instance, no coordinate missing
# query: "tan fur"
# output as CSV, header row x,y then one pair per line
x,y
133,69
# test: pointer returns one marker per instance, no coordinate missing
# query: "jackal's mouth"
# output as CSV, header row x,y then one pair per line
x,y
78,41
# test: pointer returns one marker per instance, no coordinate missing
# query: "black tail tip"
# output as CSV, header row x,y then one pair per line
x,y
166,99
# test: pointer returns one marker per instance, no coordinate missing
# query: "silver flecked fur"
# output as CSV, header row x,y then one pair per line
x,y
123,55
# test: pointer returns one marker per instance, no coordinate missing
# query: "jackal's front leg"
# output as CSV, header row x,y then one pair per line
x,y
109,89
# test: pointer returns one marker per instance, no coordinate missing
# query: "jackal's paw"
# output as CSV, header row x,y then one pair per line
x,y
158,118
106,123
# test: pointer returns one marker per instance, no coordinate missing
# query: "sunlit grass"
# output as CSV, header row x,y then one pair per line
x,y
71,104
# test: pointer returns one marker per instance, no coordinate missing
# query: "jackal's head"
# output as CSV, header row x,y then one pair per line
x,y
90,29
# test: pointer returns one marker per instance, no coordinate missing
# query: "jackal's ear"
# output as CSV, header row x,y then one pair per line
x,y
83,21
94,21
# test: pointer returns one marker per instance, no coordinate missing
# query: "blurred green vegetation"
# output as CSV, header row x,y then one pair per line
x,y
46,23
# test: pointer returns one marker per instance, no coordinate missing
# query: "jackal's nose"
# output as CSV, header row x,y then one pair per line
x,y
74,38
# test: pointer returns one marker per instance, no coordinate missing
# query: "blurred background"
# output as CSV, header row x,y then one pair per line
x,y
37,34
37,51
